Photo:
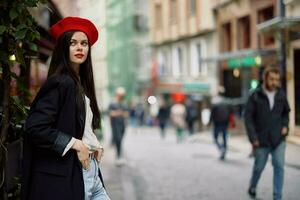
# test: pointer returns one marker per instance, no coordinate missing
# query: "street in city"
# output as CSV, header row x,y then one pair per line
x,y
166,170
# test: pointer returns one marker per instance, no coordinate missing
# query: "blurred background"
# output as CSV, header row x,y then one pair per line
x,y
164,52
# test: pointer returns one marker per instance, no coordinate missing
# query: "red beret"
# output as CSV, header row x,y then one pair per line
x,y
75,24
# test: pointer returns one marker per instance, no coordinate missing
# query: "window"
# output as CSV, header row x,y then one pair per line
x,y
202,66
173,11
199,57
180,60
194,70
177,60
163,63
226,37
158,16
265,15
198,66
244,33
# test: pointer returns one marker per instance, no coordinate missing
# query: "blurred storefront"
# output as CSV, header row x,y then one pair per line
x,y
243,53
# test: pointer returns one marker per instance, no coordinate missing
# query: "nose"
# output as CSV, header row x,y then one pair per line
x,y
79,47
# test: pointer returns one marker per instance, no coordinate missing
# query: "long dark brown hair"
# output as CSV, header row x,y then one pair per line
x,y
60,64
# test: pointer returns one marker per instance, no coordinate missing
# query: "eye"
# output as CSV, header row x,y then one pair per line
x,y
72,43
84,43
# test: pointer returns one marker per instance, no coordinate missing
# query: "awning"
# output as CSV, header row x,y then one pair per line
x,y
278,23
184,87
245,53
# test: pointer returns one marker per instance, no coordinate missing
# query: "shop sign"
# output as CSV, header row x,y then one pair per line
x,y
244,62
196,87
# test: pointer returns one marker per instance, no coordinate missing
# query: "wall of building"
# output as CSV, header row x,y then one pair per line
x,y
185,24
292,10
68,7
179,46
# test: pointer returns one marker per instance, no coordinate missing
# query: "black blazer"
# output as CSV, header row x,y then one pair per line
x,y
57,114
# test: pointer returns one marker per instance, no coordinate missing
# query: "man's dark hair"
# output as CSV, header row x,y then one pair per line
x,y
60,64
269,70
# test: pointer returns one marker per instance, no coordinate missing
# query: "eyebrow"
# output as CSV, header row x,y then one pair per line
x,y
84,40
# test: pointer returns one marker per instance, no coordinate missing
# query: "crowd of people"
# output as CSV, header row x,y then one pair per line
x,y
266,118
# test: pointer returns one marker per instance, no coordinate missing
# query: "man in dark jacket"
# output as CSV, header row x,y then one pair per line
x,y
118,113
266,120
220,119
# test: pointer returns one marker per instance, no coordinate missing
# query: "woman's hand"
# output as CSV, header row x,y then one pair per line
x,y
82,153
284,131
99,154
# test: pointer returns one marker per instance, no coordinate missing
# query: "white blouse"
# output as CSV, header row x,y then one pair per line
x,y
89,138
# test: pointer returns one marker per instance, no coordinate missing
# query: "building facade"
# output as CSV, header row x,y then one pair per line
x,y
184,48
128,46
285,27
260,33
293,63
242,52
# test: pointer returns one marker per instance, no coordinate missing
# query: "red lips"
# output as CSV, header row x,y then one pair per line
x,y
79,55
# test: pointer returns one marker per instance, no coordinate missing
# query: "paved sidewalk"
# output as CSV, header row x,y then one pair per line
x,y
239,142
119,180
123,183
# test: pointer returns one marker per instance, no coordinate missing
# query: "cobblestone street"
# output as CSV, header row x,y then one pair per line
x,y
165,170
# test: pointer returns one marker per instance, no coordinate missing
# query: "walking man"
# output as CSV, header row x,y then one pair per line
x,y
266,120
220,116
118,113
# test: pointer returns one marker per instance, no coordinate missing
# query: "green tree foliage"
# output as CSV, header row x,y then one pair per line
x,y
18,33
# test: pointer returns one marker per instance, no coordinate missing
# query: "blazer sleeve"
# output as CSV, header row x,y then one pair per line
x,y
249,118
40,124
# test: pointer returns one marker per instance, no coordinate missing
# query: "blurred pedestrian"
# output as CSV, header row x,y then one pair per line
x,y
61,151
140,113
163,117
118,113
132,115
220,116
178,113
267,119
191,116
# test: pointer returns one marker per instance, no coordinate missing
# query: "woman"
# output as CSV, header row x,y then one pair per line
x,y
61,151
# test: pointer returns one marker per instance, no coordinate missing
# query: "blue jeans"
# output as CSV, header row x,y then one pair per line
x,y
93,188
221,128
261,158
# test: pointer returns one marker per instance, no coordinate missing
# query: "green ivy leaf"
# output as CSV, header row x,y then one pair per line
x,y
21,26
37,35
20,8
21,34
13,14
2,29
33,47
31,3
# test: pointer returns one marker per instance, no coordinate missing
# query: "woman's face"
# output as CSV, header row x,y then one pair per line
x,y
79,48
